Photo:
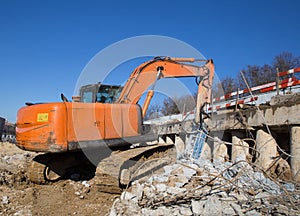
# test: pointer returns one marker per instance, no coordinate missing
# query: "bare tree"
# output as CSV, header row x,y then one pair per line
x,y
186,103
169,107
257,75
154,111
268,74
217,90
252,76
285,61
176,105
229,85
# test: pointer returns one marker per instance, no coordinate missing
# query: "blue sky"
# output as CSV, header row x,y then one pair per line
x,y
44,45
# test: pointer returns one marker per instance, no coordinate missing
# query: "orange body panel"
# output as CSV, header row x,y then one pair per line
x,y
57,127
42,127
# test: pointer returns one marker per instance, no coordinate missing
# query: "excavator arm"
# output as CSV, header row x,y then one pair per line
x,y
147,74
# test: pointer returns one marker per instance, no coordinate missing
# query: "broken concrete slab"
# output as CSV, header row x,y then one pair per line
x,y
236,187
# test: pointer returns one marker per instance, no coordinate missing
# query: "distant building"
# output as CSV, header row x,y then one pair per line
x,y
7,131
2,124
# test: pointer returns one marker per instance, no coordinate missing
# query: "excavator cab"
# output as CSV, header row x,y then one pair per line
x,y
99,93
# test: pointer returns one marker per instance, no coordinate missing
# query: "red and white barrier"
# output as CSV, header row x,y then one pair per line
x,y
288,82
227,96
265,87
282,86
291,71
233,103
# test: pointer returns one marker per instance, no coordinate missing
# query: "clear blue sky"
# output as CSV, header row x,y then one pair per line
x,y
44,45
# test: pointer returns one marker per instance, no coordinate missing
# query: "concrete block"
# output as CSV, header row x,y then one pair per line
x,y
295,152
198,207
175,190
206,153
128,196
188,173
240,150
186,211
266,147
162,211
161,187
180,146
220,151
213,206
283,170
137,189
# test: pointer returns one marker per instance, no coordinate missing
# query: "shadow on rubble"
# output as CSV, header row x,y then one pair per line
x,y
76,166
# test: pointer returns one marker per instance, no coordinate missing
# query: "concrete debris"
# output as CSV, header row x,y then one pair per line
x,y
23,212
220,151
5,200
86,184
206,153
289,187
282,170
295,151
202,187
240,149
266,144
278,100
185,211
129,196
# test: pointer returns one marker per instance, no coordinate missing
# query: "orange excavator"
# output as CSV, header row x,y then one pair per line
x,y
103,115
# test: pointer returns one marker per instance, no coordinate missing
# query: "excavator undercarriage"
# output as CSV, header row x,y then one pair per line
x,y
113,172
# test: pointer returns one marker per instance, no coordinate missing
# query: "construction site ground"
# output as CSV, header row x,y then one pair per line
x,y
188,187
68,197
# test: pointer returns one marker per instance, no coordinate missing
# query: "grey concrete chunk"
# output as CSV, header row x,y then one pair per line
x,y
161,187
237,208
228,210
188,172
213,206
186,211
253,213
128,196
198,206
266,149
175,190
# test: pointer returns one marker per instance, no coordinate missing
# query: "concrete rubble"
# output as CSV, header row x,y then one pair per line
x,y
201,187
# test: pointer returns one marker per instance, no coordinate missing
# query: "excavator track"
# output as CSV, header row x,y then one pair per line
x,y
120,168
112,173
51,167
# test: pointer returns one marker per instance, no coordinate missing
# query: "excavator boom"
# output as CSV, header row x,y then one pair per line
x,y
146,74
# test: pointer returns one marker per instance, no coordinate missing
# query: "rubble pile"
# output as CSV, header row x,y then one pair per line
x,y
201,187
13,167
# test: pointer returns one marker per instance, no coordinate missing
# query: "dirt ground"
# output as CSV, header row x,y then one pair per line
x,y
18,196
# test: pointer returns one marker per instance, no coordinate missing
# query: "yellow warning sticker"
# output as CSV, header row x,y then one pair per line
x,y
42,117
